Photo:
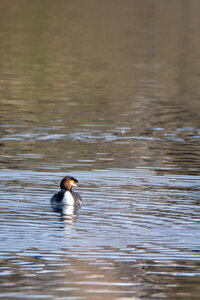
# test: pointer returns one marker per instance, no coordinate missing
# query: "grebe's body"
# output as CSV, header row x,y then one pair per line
x,y
66,196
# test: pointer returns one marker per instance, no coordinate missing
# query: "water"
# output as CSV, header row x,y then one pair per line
x,y
107,92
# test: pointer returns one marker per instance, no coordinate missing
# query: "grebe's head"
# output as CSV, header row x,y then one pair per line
x,y
68,182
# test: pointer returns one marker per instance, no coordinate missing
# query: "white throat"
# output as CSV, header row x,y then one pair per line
x,y
68,198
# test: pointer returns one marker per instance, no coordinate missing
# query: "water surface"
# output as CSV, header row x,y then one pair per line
x,y
109,93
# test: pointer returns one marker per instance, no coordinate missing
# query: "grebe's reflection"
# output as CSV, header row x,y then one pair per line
x,y
68,213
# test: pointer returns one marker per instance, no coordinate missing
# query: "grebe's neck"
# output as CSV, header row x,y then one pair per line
x,y
68,198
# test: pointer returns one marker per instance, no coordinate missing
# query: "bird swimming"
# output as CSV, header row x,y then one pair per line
x,y
66,196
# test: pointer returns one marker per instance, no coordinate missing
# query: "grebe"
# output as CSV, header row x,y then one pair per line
x,y
66,195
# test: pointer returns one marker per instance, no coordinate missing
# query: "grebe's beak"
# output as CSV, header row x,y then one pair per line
x,y
81,185
73,183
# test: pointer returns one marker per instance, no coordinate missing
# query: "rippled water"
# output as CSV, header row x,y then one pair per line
x,y
108,93
139,236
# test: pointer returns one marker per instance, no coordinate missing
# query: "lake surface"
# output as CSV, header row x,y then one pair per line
x,y
108,92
